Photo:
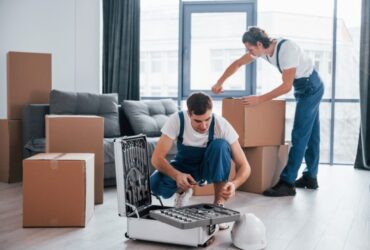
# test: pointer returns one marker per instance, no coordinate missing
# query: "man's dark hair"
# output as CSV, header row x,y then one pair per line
x,y
198,103
254,35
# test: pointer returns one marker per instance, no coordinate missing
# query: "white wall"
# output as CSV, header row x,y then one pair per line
x,y
68,29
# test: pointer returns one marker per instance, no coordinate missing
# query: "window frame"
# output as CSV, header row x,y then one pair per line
x,y
189,7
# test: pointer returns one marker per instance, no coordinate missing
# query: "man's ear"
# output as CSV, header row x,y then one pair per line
x,y
259,44
189,113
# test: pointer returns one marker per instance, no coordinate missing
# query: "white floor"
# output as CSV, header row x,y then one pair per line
x,y
336,216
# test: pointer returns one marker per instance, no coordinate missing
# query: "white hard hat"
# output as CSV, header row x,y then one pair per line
x,y
249,233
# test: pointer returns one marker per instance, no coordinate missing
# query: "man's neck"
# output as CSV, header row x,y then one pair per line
x,y
270,50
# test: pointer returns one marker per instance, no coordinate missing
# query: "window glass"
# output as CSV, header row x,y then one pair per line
x,y
159,39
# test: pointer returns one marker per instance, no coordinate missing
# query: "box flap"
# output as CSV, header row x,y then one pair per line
x,y
76,156
132,174
62,156
73,116
45,156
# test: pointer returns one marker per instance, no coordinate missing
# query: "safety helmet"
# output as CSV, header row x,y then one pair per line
x,y
249,233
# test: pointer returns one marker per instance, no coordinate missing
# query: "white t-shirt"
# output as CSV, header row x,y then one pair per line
x,y
223,130
291,56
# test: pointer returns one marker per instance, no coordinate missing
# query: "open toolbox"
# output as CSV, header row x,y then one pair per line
x,y
191,225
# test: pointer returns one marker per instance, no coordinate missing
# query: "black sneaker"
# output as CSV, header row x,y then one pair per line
x,y
282,188
306,182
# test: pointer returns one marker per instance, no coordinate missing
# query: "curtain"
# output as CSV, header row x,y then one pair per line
x,y
363,152
121,58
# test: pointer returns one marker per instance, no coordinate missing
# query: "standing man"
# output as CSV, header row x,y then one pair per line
x,y
297,70
206,143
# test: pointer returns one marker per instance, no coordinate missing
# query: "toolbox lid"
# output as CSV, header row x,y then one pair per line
x,y
132,174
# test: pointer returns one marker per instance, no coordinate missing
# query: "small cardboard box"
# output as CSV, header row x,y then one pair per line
x,y
29,80
10,150
266,163
209,188
58,190
260,125
78,134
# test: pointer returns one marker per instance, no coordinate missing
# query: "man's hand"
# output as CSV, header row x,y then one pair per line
x,y
217,88
185,181
228,190
251,100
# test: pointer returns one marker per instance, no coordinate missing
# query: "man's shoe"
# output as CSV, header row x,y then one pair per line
x,y
282,188
306,182
182,199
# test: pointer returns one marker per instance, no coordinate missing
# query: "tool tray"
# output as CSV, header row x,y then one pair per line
x,y
195,215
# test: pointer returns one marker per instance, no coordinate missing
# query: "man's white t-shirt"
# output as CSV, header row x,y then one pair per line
x,y
223,130
291,56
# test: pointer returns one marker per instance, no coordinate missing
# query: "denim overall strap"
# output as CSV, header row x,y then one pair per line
x,y
211,131
277,54
180,137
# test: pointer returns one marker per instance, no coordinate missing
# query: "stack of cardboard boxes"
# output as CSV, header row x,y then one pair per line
x,y
28,81
261,130
58,188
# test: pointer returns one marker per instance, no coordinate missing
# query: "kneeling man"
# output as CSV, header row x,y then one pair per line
x,y
206,144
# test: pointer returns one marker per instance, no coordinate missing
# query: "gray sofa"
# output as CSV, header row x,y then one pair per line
x,y
128,118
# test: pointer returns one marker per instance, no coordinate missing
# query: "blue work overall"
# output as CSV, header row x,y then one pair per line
x,y
211,163
308,92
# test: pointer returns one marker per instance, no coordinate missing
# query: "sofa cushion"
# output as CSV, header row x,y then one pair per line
x,y
148,116
74,103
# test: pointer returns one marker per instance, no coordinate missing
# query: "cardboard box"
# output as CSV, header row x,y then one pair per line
x,y
266,163
29,80
58,190
260,125
10,150
78,134
209,188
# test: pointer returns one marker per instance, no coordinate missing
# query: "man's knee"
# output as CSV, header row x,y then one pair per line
x,y
219,145
162,185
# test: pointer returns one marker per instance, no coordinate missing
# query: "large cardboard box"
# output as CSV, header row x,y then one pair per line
x,y
260,125
78,134
10,150
29,80
266,163
58,190
209,188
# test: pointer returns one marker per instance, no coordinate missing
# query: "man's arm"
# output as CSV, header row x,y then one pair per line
x,y
288,78
234,66
159,161
243,171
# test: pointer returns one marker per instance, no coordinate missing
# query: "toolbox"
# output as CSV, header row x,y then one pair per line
x,y
193,225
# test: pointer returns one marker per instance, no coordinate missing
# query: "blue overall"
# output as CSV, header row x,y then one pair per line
x,y
308,92
211,163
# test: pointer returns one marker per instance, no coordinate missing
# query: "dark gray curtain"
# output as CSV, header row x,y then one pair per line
x,y
363,152
121,58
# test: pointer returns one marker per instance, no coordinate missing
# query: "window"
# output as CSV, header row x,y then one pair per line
x,y
206,51
211,41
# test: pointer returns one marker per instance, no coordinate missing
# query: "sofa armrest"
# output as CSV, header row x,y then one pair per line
x,y
33,124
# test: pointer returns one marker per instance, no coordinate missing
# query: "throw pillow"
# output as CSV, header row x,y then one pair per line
x,y
148,116
74,103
